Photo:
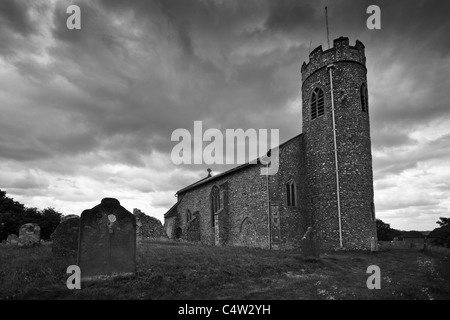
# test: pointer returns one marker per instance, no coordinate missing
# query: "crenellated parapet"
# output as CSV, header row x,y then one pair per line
x,y
341,51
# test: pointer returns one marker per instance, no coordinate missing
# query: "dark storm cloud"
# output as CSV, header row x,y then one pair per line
x,y
285,15
22,153
28,182
15,25
384,138
14,15
398,160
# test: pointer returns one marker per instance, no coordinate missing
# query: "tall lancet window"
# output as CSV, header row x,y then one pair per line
x,y
188,215
291,193
215,202
317,103
364,98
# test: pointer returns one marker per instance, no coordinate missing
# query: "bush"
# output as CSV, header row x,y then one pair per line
x,y
441,236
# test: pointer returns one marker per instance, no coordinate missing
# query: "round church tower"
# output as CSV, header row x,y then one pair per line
x,y
336,130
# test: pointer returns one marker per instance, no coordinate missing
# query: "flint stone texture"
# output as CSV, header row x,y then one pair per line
x,y
29,234
65,238
12,239
148,227
107,241
192,232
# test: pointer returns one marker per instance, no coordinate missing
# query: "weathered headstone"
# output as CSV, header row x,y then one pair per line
x,y
12,239
310,247
107,242
65,238
29,234
70,216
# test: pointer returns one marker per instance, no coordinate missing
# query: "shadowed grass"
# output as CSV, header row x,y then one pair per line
x,y
172,270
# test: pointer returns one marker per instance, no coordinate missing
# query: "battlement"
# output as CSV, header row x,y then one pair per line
x,y
341,51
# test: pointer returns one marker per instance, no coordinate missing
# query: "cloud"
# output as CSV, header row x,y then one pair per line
x,y
89,113
15,16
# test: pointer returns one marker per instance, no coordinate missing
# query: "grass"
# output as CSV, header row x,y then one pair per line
x,y
169,270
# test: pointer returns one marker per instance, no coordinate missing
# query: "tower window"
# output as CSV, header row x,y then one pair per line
x,y
364,98
317,103
291,194
215,203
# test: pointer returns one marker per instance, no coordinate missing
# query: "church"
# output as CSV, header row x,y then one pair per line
x,y
324,181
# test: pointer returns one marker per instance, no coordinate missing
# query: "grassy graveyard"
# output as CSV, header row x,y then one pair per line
x,y
174,270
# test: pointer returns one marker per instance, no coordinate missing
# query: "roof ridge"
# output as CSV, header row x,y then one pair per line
x,y
201,181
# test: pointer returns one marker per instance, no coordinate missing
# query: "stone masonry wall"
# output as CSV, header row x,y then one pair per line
x,y
246,198
148,227
192,232
293,219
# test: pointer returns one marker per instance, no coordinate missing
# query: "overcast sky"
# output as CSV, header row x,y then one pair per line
x,y
89,113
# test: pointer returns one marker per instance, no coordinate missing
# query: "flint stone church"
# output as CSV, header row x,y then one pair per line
x,y
324,180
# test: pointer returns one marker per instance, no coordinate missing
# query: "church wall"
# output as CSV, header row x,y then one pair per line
x,y
293,220
243,209
243,217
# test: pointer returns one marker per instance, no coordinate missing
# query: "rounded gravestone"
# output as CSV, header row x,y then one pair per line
x,y
12,239
65,237
107,242
29,234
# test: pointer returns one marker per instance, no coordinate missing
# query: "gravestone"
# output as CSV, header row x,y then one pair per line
x,y
70,216
310,246
29,234
107,241
12,239
65,237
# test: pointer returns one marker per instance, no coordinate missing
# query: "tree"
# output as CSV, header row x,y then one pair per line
x,y
441,236
49,220
384,231
444,222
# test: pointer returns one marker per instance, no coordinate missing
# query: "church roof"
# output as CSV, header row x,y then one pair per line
x,y
220,175
172,211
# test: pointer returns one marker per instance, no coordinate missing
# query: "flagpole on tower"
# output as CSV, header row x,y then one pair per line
x,y
328,32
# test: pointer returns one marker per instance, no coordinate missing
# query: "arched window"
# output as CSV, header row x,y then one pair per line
x,y
215,202
178,233
317,103
188,215
364,98
291,193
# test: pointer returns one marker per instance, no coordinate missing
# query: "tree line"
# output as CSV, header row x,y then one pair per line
x,y
14,214
439,236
